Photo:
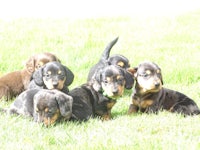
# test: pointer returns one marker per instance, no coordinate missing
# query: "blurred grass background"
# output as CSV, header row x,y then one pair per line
x,y
173,42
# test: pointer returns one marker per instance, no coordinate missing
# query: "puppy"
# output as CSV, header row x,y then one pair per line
x,y
52,75
116,59
44,106
150,96
13,83
98,97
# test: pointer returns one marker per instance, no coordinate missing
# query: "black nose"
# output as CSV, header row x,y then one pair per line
x,y
115,91
55,84
157,84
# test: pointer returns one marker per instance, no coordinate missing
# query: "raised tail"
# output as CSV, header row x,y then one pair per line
x,y
106,53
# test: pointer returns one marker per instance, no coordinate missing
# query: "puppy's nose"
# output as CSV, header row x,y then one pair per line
x,y
115,91
55,84
157,84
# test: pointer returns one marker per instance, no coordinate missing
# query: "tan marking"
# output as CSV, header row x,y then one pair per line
x,y
110,105
61,84
143,103
121,64
118,77
108,79
120,90
158,71
59,71
148,72
46,110
132,109
107,116
146,103
49,72
49,121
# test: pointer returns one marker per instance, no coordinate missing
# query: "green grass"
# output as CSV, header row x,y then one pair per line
x,y
171,42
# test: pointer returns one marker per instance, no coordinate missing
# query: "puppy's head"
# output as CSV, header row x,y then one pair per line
x,y
49,106
148,78
39,60
53,75
119,60
124,63
110,80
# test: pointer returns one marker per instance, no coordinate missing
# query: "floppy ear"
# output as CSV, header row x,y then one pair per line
x,y
38,76
96,80
70,76
129,79
133,71
161,78
65,104
30,64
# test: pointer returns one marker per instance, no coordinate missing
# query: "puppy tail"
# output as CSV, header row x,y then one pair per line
x,y
106,52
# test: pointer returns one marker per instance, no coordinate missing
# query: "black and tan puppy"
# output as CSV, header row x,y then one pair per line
x,y
150,96
98,97
44,106
13,83
116,59
52,75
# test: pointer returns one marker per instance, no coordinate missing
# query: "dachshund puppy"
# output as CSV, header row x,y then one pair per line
x,y
13,83
98,97
52,75
44,106
116,59
150,96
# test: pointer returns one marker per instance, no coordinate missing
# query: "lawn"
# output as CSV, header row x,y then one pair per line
x,y
172,42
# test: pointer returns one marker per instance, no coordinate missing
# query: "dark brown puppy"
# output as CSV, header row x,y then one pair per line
x,y
44,106
150,96
116,59
98,97
52,75
13,83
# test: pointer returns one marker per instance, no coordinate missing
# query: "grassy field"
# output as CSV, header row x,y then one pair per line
x,y
172,42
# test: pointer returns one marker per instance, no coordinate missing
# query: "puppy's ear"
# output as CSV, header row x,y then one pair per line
x,y
65,105
30,64
70,76
96,80
133,71
129,78
161,78
38,76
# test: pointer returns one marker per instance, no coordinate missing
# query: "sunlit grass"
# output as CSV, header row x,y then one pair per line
x,y
172,42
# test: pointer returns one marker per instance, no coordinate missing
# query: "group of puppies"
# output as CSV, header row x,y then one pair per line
x,y
41,89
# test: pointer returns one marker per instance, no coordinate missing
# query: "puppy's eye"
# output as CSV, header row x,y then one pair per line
x,y
47,75
105,81
120,80
144,75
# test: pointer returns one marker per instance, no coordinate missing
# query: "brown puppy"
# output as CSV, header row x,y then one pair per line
x,y
52,75
98,98
150,96
44,106
13,83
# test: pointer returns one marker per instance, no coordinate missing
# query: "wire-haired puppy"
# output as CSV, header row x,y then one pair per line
x,y
52,75
116,59
99,96
150,96
13,83
44,106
